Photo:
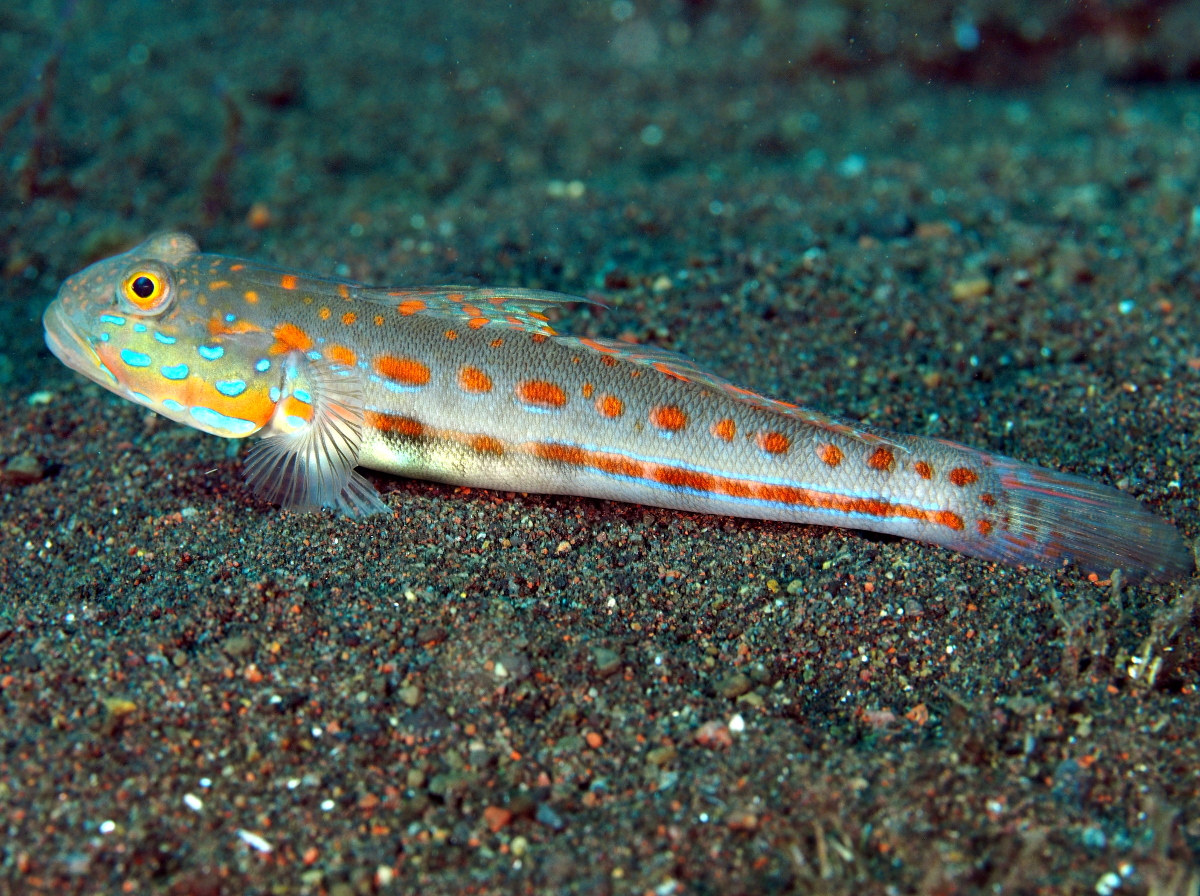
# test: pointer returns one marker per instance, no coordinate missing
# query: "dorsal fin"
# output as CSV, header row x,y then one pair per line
x,y
476,306
682,368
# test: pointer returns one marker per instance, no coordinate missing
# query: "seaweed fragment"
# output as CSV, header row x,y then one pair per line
x,y
37,103
216,196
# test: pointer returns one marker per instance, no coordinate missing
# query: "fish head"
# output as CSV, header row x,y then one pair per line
x,y
135,324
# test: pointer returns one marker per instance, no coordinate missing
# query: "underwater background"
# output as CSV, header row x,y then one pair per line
x,y
977,221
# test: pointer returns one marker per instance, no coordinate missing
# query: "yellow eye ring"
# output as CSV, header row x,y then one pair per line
x,y
145,289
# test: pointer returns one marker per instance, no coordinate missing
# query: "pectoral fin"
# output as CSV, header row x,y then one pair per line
x,y
307,458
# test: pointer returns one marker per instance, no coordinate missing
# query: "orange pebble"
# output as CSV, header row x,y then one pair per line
x,y
496,817
594,740
259,216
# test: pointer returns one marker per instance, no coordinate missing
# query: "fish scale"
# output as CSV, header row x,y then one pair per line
x,y
472,386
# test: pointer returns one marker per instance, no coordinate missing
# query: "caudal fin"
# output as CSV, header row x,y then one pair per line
x,y
1052,518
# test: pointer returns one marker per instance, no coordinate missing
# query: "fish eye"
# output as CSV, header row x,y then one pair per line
x,y
146,287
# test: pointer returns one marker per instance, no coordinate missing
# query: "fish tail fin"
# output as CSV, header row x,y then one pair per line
x,y
1048,519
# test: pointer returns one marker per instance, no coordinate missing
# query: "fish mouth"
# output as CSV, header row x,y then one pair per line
x,y
69,347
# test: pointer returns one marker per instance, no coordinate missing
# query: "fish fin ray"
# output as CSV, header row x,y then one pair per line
x,y
1047,519
307,465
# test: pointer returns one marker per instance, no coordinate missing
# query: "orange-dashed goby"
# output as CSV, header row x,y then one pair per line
x,y
472,386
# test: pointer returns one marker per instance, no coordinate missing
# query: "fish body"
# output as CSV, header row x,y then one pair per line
x,y
471,386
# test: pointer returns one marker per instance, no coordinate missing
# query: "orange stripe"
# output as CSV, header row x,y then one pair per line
x,y
725,486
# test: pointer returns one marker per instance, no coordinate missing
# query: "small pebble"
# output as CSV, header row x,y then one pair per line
x,y
237,645
410,696
735,685
606,661
714,735
551,819
496,817
974,288
23,469
660,756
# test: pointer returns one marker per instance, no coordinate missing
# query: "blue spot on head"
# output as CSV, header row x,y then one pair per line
x,y
135,359
296,422
112,319
314,356
139,328
172,405
302,395
273,395
230,318
144,399
164,339
175,371
210,352
263,366
233,425
104,337
231,388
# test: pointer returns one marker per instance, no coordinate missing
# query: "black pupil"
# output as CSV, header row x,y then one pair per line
x,y
143,287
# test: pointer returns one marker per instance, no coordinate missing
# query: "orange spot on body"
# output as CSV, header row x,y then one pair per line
x,y
487,445
476,322
470,310
288,281
587,390
947,518
343,290
608,362
985,528
402,370
324,314
451,334
668,417
831,454
412,306
342,355
610,406
988,499
773,442
379,320
882,460
724,429
538,338
250,296
496,343
349,318
923,469
961,477
290,338
394,423
236,267
474,380
542,394
219,284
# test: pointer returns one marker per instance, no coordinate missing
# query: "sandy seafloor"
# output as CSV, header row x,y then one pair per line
x,y
493,693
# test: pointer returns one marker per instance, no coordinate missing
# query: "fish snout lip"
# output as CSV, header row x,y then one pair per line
x,y
66,344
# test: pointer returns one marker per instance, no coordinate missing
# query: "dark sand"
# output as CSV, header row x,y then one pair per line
x,y
495,693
